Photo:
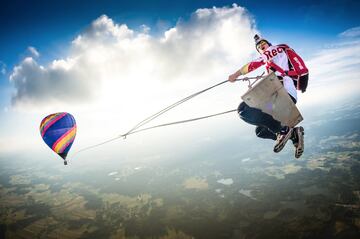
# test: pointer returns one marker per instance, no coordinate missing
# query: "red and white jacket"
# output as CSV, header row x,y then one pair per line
x,y
274,56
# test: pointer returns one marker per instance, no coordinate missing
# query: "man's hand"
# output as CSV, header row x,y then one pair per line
x,y
233,77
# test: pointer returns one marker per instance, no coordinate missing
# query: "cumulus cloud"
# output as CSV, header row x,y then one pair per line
x,y
109,59
62,80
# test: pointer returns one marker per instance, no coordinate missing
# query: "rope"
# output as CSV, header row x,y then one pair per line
x,y
256,78
136,129
181,121
152,117
153,127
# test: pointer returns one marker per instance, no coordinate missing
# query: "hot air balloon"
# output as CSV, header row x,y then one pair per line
x,y
58,131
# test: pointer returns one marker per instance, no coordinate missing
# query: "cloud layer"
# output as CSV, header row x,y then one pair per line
x,y
2,68
62,80
334,71
116,76
352,32
109,56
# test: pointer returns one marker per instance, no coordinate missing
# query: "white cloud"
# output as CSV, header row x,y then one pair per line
x,y
352,32
145,29
334,73
109,59
113,76
63,80
32,50
2,68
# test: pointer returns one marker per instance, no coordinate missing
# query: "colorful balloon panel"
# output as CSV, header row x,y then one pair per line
x,y
58,131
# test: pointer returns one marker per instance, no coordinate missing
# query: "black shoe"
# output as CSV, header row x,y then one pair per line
x,y
298,141
282,139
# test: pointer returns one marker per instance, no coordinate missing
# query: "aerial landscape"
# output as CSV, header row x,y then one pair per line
x,y
223,197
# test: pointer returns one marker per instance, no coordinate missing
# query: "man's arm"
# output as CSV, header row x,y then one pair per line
x,y
246,69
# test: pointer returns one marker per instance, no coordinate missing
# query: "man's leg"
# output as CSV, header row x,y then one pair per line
x,y
298,137
298,141
257,117
264,133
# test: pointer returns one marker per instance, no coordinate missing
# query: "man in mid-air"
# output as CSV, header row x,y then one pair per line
x,y
276,59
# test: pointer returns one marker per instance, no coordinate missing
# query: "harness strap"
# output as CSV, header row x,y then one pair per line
x,y
291,73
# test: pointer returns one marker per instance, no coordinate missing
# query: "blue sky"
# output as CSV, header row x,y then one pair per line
x,y
112,56
50,24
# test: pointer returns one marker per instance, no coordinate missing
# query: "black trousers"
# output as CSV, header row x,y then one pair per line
x,y
266,126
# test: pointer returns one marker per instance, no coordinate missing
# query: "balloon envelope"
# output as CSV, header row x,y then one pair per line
x,y
58,131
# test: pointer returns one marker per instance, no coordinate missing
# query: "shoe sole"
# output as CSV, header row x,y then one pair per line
x,y
300,145
280,146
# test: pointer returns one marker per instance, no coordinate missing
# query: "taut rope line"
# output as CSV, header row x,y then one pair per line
x,y
136,129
